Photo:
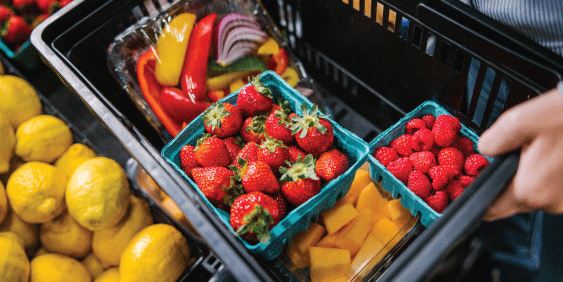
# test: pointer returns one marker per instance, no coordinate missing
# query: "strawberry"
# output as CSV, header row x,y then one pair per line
x,y
385,155
331,164
38,20
282,203
5,13
474,164
429,120
299,181
48,6
188,160
445,130
419,184
437,200
423,161
273,152
422,140
65,2
402,145
24,6
414,125
295,152
441,175
454,189
401,169
255,99
248,153
451,156
278,125
464,144
253,129
216,183
233,146
256,176
253,215
212,151
313,132
15,30
222,119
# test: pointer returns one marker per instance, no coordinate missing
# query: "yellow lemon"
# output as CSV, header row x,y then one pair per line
x,y
65,236
14,264
18,99
41,251
42,138
3,203
8,143
158,253
27,231
58,268
15,163
73,157
94,265
36,192
13,236
110,275
109,243
97,194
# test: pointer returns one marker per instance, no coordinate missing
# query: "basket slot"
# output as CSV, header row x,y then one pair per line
x,y
458,61
492,98
477,90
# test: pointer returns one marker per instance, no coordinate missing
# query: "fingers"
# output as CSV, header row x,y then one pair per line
x,y
504,206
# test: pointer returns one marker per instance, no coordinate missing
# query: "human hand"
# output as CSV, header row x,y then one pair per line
x,y
535,126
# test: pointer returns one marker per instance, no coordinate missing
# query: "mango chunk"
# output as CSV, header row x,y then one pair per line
x,y
328,263
361,179
385,230
299,259
399,214
338,216
341,279
327,241
368,255
309,237
352,236
371,198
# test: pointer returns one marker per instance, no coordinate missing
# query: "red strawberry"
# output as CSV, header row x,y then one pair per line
x,y
253,129
313,132
385,155
464,144
465,179
429,120
423,161
212,151
273,152
248,153
331,164
422,140
222,119
278,125
253,215
300,182
282,203
401,169
188,160
419,184
451,156
48,6
414,125
216,184
255,99
437,200
295,152
402,145
16,30
234,145
5,13
256,176
445,130
474,164
38,20
65,2
441,175
24,6
454,189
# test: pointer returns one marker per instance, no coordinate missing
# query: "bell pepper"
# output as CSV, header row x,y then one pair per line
x,y
151,91
279,62
223,81
179,107
194,71
248,63
269,47
236,85
290,76
171,48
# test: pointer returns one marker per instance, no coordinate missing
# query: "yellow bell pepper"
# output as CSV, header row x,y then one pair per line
x,y
236,85
269,47
290,76
171,48
223,81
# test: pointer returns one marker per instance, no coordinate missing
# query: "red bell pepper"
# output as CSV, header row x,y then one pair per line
x,y
194,71
278,62
180,107
151,91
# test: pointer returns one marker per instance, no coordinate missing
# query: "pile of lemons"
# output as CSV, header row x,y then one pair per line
x,y
67,214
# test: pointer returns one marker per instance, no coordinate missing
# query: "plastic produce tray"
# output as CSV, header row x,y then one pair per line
x,y
298,219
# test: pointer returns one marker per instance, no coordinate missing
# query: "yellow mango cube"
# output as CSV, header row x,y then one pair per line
x,y
328,263
344,278
361,179
338,216
309,237
385,230
299,259
371,198
327,241
352,236
399,214
368,255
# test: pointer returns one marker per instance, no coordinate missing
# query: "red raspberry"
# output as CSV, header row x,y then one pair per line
x,y
464,144
454,189
449,120
451,156
441,175
445,130
423,161
435,150
437,200
414,125
401,169
474,164
402,145
465,179
429,120
419,184
422,140
385,155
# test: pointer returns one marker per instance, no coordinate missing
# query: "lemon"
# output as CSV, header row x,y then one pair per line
x,y
94,265
15,163
109,243
41,251
65,236
3,203
73,157
8,143
18,100
11,235
157,253
27,231
110,275
42,138
58,268
97,194
14,264
36,192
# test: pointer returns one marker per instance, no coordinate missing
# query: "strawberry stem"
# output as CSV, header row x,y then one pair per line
x,y
257,222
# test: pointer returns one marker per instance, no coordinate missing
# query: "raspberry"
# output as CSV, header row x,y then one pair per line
x,y
474,164
451,156
449,120
441,175
435,150
419,184
423,161
402,145
414,125
437,200
385,155
429,120
454,189
465,179
464,144
445,130
422,140
401,169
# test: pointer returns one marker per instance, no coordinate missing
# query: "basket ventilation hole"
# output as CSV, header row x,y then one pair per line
x,y
404,32
367,8
444,52
392,18
378,178
379,14
431,44
417,36
458,62
314,218
356,4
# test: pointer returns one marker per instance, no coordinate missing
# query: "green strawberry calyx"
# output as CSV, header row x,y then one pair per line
x,y
257,125
257,222
238,171
272,143
202,139
261,87
300,169
308,120
213,115
232,192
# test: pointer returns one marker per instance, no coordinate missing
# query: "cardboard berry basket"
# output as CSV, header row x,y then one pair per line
x,y
298,219
389,182
25,57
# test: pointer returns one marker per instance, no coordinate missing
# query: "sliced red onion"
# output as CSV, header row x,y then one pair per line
x,y
234,29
